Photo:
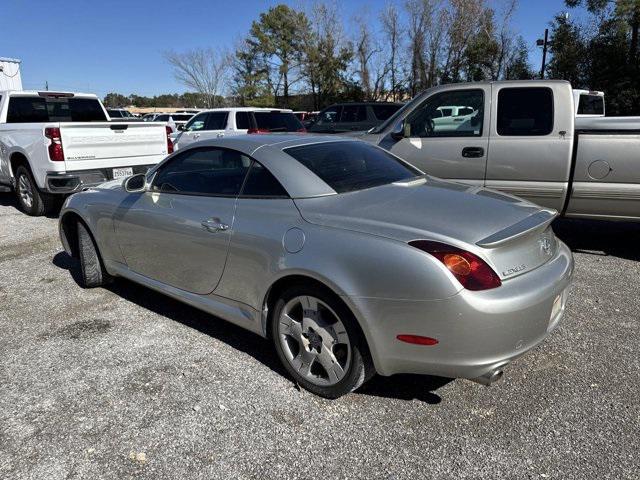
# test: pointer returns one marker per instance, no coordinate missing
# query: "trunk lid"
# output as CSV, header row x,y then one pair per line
x,y
512,235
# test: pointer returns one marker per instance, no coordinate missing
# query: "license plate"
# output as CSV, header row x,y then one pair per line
x,y
122,172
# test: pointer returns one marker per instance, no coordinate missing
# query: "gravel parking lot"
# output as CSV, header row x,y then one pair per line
x,y
123,382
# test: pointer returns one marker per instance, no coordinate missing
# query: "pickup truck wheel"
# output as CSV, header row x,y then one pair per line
x,y
92,270
31,200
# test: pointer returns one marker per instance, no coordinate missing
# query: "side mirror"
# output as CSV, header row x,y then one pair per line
x,y
135,183
180,127
398,132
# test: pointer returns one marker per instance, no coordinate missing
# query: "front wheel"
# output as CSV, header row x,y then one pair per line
x,y
319,342
92,270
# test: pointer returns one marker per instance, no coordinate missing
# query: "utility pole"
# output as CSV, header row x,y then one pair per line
x,y
46,85
543,43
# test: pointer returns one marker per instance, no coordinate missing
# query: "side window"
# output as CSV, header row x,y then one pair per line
x,y
242,121
353,113
217,121
434,118
261,183
203,171
525,111
196,123
330,115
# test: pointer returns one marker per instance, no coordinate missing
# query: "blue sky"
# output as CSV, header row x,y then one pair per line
x,y
101,46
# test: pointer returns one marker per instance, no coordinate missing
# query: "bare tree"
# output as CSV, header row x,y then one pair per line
x,y
390,20
371,65
463,17
203,70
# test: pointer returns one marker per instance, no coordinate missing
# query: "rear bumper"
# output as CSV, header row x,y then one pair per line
x,y
71,182
477,331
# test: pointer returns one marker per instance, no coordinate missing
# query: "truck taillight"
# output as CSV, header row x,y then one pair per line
x,y
169,141
56,154
469,269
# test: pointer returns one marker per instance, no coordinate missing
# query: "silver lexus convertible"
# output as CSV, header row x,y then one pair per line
x,y
352,261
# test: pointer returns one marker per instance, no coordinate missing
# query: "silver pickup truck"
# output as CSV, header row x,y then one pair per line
x,y
522,137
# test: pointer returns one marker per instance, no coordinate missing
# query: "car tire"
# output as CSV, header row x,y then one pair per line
x,y
93,273
327,330
31,201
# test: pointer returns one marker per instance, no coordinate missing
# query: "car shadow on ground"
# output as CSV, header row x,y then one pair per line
x,y
403,387
600,237
8,199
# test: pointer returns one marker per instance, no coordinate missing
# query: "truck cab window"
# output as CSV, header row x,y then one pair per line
x,y
525,111
457,113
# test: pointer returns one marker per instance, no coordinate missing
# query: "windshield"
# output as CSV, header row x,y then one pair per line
x,y
393,118
350,166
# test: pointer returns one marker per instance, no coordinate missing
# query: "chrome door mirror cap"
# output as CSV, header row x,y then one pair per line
x,y
135,183
398,132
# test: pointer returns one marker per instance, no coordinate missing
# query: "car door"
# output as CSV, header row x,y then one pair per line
x,y
531,142
213,125
443,144
177,231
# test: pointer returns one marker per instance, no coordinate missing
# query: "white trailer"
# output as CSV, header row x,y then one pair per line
x,y
10,78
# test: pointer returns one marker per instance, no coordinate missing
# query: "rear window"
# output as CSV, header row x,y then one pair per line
x,y
591,105
277,121
525,111
350,166
382,112
217,121
41,109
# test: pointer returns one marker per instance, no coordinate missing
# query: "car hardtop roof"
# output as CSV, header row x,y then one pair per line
x,y
246,109
341,104
252,142
30,93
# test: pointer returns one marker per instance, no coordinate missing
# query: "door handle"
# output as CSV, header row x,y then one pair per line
x,y
220,135
472,152
196,136
214,225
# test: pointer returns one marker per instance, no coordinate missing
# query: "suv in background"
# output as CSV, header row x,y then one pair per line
x,y
175,120
121,114
220,122
353,117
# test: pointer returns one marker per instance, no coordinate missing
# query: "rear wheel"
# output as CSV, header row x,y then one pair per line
x,y
92,270
319,343
31,200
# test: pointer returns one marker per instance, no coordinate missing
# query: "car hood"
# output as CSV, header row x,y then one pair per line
x,y
424,208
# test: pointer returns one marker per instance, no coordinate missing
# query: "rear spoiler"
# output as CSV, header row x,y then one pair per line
x,y
537,221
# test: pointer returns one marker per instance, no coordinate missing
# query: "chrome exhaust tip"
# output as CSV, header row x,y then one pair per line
x,y
489,377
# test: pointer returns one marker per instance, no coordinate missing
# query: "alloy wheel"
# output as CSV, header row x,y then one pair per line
x,y
314,340
25,191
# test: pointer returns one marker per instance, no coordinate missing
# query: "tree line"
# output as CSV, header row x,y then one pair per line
x,y
310,58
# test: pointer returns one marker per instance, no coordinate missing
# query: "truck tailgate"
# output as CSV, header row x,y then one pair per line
x,y
112,144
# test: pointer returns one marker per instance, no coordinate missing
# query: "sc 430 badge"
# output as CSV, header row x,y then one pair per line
x,y
511,271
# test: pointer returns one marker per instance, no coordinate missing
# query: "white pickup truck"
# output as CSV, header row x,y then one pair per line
x,y
55,143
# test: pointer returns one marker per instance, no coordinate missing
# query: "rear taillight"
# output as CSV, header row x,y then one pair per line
x,y
169,141
469,269
56,154
258,130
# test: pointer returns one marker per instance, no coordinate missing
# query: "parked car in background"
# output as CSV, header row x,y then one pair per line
x,y
349,117
149,117
174,120
283,235
306,118
523,138
220,122
588,103
56,143
120,114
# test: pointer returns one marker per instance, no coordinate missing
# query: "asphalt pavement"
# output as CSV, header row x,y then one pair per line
x,y
126,383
